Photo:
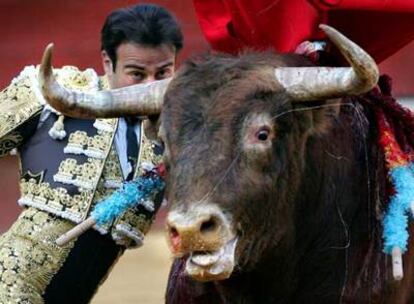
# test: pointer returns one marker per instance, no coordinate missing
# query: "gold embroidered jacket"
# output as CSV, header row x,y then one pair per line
x,y
68,176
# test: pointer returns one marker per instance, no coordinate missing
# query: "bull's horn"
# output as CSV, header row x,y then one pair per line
x,y
316,83
136,100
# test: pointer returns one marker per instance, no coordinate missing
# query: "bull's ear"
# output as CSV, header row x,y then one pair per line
x,y
317,116
323,116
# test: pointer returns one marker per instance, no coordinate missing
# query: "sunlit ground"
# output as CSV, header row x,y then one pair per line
x,y
140,276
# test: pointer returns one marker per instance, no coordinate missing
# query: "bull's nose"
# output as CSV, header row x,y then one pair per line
x,y
201,228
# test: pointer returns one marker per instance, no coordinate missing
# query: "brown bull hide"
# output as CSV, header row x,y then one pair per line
x,y
299,187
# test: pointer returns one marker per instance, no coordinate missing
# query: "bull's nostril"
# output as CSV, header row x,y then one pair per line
x,y
208,226
175,238
173,233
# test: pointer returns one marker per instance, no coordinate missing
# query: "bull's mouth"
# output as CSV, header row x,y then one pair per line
x,y
212,265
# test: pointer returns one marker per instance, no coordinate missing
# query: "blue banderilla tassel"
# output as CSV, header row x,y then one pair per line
x,y
395,221
140,191
131,194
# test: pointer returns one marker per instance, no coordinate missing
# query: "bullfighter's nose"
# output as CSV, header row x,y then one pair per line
x,y
199,228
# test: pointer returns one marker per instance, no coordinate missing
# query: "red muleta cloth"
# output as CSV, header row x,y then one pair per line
x,y
381,27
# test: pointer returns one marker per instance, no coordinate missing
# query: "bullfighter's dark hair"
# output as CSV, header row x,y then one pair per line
x,y
145,24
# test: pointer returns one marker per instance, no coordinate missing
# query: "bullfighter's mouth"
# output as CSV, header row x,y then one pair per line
x,y
212,266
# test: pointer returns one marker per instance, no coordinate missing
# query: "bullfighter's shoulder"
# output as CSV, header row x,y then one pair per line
x,y
22,101
19,101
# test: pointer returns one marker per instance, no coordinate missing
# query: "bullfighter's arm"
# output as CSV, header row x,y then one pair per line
x,y
19,112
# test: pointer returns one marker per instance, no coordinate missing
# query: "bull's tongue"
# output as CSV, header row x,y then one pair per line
x,y
206,258
218,265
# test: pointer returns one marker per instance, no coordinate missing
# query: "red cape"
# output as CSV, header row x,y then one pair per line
x,y
381,27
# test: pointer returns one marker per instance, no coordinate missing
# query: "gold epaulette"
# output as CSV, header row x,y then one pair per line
x,y
22,99
18,102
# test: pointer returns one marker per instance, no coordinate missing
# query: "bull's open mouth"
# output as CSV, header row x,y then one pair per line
x,y
212,266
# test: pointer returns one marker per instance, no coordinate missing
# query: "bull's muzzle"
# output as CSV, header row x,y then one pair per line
x,y
204,234
200,228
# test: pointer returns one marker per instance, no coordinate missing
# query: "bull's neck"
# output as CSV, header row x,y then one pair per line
x,y
339,235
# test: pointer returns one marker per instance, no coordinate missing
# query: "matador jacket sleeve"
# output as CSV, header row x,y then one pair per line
x,y
19,112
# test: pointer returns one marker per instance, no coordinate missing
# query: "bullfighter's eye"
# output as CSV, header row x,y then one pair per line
x,y
263,134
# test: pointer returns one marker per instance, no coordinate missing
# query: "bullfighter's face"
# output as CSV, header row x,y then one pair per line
x,y
139,64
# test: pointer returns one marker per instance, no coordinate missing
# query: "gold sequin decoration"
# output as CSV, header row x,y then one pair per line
x,y
17,104
112,173
93,146
76,142
86,176
72,77
83,175
108,125
97,145
147,154
29,257
136,221
54,200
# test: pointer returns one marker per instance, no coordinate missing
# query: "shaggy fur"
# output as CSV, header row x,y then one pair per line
x,y
307,212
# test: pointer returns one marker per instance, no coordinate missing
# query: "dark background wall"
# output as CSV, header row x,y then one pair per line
x,y
74,27
26,27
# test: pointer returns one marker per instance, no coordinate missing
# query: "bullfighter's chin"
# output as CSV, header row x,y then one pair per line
x,y
212,266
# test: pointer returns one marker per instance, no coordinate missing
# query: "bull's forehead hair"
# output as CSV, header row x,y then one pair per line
x,y
217,68
216,85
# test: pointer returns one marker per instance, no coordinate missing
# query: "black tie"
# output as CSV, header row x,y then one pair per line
x,y
132,144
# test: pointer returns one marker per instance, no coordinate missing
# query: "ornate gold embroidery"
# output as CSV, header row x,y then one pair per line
x,y
67,171
130,229
107,125
72,77
37,177
83,176
147,154
76,142
139,222
29,257
54,200
22,98
86,174
112,173
9,142
17,104
95,146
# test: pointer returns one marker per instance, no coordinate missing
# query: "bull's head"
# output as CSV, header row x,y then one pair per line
x,y
234,139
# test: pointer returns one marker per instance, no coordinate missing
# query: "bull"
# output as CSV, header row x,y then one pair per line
x,y
275,182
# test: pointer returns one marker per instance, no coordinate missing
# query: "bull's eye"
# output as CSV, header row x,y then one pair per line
x,y
263,134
